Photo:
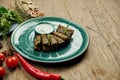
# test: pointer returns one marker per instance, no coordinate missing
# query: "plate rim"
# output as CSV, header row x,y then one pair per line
x,y
58,61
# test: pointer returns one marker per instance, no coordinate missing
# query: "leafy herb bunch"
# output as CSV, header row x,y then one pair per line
x,y
8,18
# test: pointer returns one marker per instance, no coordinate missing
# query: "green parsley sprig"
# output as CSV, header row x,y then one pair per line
x,y
8,18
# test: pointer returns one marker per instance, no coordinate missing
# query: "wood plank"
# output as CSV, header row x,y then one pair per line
x,y
101,19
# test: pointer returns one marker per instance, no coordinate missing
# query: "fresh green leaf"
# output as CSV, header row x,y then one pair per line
x,y
2,11
62,79
8,18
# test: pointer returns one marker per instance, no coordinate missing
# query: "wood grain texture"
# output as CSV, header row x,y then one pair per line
x,y
101,19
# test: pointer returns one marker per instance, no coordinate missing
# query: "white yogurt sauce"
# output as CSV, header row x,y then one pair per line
x,y
44,29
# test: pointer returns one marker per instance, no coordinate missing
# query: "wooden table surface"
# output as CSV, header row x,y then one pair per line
x,y
101,19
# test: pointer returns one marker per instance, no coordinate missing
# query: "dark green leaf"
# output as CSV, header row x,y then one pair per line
x,y
7,18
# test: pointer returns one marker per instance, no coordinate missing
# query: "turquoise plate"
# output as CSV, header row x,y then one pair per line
x,y
23,36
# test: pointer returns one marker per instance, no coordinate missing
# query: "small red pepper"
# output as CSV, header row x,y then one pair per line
x,y
40,75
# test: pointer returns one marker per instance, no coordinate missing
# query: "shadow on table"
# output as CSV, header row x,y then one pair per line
x,y
65,63
6,36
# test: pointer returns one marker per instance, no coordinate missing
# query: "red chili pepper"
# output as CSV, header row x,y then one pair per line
x,y
40,75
